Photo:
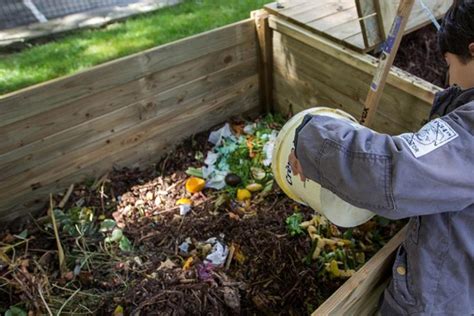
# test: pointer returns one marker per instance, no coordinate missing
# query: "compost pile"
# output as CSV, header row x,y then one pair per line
x,y
183,237
419,55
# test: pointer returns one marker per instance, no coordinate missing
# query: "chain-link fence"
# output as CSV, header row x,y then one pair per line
x,y
22,12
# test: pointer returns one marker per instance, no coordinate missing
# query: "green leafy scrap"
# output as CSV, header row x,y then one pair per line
x,y
293,224
15,311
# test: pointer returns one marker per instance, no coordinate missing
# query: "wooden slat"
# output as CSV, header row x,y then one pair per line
x,y
32,101
36,128
304,90
38,162
147,150
312,92
356,40
323,10
302,59
356,295
369,22
298,8
346,30
289,6
332,22
418,17
328,16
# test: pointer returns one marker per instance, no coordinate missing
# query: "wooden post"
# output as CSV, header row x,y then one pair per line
x,y
265,57
386,60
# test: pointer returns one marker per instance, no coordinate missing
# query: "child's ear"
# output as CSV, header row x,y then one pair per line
x,y
471,49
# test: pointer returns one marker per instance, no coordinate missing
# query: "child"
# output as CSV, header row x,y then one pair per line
x,y
427,176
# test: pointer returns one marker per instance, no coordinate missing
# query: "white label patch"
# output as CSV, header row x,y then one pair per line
x,y
431,136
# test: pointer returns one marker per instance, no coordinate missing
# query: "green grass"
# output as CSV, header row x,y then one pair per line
x,y
86,48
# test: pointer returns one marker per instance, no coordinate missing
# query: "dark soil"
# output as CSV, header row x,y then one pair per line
x,y
272,276
419,55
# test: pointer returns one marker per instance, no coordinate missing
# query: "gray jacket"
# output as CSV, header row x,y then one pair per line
x,y
428,176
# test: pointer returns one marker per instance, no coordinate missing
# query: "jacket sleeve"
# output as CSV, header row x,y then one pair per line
x,y
431,171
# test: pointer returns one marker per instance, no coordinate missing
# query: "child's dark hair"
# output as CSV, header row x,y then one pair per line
x,y
457,30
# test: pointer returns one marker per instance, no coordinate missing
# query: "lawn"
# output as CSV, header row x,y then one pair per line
x,y
86,48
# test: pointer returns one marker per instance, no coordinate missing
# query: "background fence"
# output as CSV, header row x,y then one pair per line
x,y
15,13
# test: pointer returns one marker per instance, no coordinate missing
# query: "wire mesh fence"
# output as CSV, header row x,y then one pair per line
x,y
22,12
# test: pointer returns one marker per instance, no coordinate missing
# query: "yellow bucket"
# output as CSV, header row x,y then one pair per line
x,y
311,193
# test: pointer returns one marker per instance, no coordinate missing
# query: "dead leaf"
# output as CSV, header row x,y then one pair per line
x,y
166,265
232,298
239,255
118,311
234,216
8,239
238,128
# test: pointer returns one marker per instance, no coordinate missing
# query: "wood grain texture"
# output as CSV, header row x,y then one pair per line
x,y
265,59
35,128
337,20
322,10
314,75
52,94
52,148
404,81
79,157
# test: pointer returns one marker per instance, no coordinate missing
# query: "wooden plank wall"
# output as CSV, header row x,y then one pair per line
x,y
123,113
310,70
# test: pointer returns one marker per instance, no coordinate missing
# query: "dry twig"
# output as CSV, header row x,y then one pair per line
x,y
62,263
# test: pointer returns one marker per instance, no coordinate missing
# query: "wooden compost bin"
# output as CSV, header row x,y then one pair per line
x,y
130,111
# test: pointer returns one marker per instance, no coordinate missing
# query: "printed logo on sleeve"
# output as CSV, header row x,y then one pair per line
x,y
431,136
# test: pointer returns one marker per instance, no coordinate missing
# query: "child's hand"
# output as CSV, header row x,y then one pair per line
x,y
296,166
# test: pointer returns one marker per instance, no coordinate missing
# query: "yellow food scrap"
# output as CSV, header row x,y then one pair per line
x,y
195,184
243,194
312,232
321,242
334,270
187,264
184,201
254,187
